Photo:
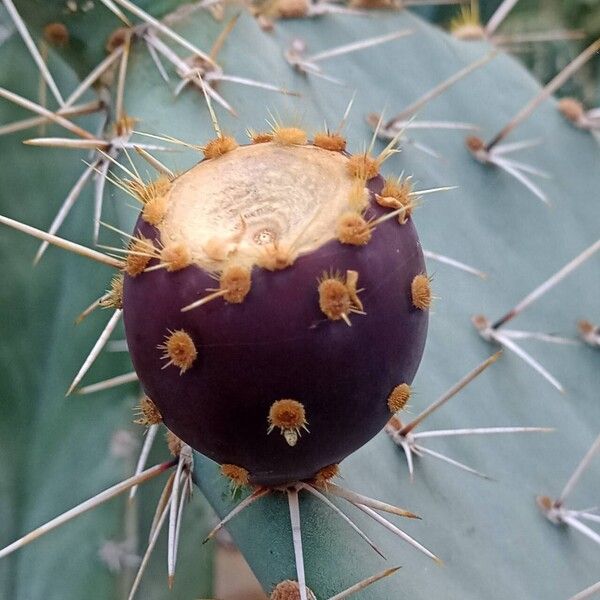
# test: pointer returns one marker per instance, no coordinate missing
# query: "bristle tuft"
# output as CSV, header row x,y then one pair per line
x,y
219,146
174,443
179,350
149,413
353,229
330,141
399,397
363,166
289,136
290,417
236,282
176,256
238,475
421,292
289,590
327,473
138,257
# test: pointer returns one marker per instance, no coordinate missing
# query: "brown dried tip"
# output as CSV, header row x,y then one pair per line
x,y
544,503
363,166
474,143
334,298
238,475
176,256
399,397
236,282
139,256
481,322
289,416
330,141
289,136
353,229
572,109
219,146
352,287
396,195
56,34
117,38
149,413
174,443
327,473
179,349
585,327
420,289
289,590
115,293
261,137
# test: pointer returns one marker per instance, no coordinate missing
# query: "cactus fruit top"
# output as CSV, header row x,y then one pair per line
x,y
278,296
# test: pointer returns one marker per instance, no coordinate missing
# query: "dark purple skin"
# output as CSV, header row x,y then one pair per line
x,y
278,344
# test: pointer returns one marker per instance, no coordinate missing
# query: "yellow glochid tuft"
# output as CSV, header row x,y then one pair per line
x,y
420,289
469,32
327,473
290,417
238,475
571,108
149,413
56,34
289,136
236,282
399,397
467,24
261,137
397,195
363,166
115,293
176,256
330,141
179,350
219,146
146,192
289,590
154,196
140,251
174,443
353,229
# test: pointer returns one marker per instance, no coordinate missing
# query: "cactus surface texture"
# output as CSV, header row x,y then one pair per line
x,y
305,329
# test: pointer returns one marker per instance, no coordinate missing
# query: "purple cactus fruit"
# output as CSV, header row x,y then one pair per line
x,y
275,303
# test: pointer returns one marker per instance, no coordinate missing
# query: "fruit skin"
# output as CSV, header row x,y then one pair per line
x,y
278,344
